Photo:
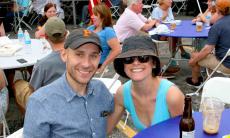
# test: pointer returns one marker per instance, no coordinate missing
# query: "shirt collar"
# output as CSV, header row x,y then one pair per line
x,y
69,93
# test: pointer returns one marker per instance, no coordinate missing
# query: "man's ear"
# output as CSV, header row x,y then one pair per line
x,y
64,54
46,36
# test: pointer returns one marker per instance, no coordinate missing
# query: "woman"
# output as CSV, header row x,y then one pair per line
x,y
149,98
102,22
4,98
163,13
49,11
209,12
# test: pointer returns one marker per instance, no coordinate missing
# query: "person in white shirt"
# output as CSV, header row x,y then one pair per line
x,y
131,22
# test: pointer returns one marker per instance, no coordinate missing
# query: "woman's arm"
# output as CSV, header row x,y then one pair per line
x,y
175,100
115,50
119,110
2,80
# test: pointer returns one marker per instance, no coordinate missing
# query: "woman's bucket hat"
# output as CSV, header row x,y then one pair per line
x,y
136,46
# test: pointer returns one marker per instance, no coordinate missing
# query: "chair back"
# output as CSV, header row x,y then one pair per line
x,y
17,134
111,83
217,87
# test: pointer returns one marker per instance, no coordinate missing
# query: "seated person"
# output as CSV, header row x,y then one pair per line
x,y
162,13
2,30
132,22
48,68
202,18
38,7
102,22
210,11
218,39
149,98
75,105
4,98
49,11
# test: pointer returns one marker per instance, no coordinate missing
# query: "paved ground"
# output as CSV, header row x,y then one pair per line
x,y
15,120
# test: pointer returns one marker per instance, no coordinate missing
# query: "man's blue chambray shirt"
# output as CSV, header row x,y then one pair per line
x,y
56,111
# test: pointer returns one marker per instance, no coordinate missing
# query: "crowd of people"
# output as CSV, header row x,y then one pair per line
x,y
63,100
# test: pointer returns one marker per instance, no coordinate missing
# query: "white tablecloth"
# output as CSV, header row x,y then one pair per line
x,y
37,51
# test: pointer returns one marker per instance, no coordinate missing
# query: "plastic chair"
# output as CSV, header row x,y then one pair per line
x,y
111,83
149,7
217,87
179,7
17,134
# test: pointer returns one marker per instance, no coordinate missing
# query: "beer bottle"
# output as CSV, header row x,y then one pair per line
x,y
187,124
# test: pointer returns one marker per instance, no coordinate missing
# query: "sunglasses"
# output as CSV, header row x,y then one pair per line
x,y
141,59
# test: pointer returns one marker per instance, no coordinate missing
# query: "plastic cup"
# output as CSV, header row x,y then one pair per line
x,y
173,25
212,109
199,26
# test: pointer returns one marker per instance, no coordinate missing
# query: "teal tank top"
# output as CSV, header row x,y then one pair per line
x,y
161,108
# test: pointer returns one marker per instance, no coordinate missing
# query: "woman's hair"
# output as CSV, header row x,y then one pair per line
x,y
44,18
104,12
223,6
160,2
48,6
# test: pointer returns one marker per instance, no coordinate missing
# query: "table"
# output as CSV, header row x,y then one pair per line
x,y
74,9
170,128
187,30
37,52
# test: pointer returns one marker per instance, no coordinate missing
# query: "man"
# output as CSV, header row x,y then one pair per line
x,y
73,106
218,39
131,22
47,69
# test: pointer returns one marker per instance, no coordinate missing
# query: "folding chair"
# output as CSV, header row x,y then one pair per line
x,y
179,7
217,87
149,7
210,75
114,10
17,134
18,20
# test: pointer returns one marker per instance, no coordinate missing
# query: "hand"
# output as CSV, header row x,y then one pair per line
x,y
192,61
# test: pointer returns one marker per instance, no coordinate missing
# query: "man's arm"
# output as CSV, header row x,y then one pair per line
x,y
37,77
148,25
202,54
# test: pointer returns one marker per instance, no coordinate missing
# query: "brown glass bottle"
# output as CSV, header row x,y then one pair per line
x,y
187,124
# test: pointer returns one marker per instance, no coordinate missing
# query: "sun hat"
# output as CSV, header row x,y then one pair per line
x,y
136,46
54,26
81,36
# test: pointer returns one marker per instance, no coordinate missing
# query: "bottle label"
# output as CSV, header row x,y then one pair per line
x,y
190,134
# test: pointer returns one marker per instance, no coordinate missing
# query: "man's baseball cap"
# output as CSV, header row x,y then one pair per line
x,y
81,36
55,28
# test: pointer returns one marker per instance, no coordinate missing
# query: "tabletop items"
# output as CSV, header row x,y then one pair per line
x,y
7,47
187,123
212,109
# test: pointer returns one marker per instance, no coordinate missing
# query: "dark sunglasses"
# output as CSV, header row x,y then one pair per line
x,y
141,59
